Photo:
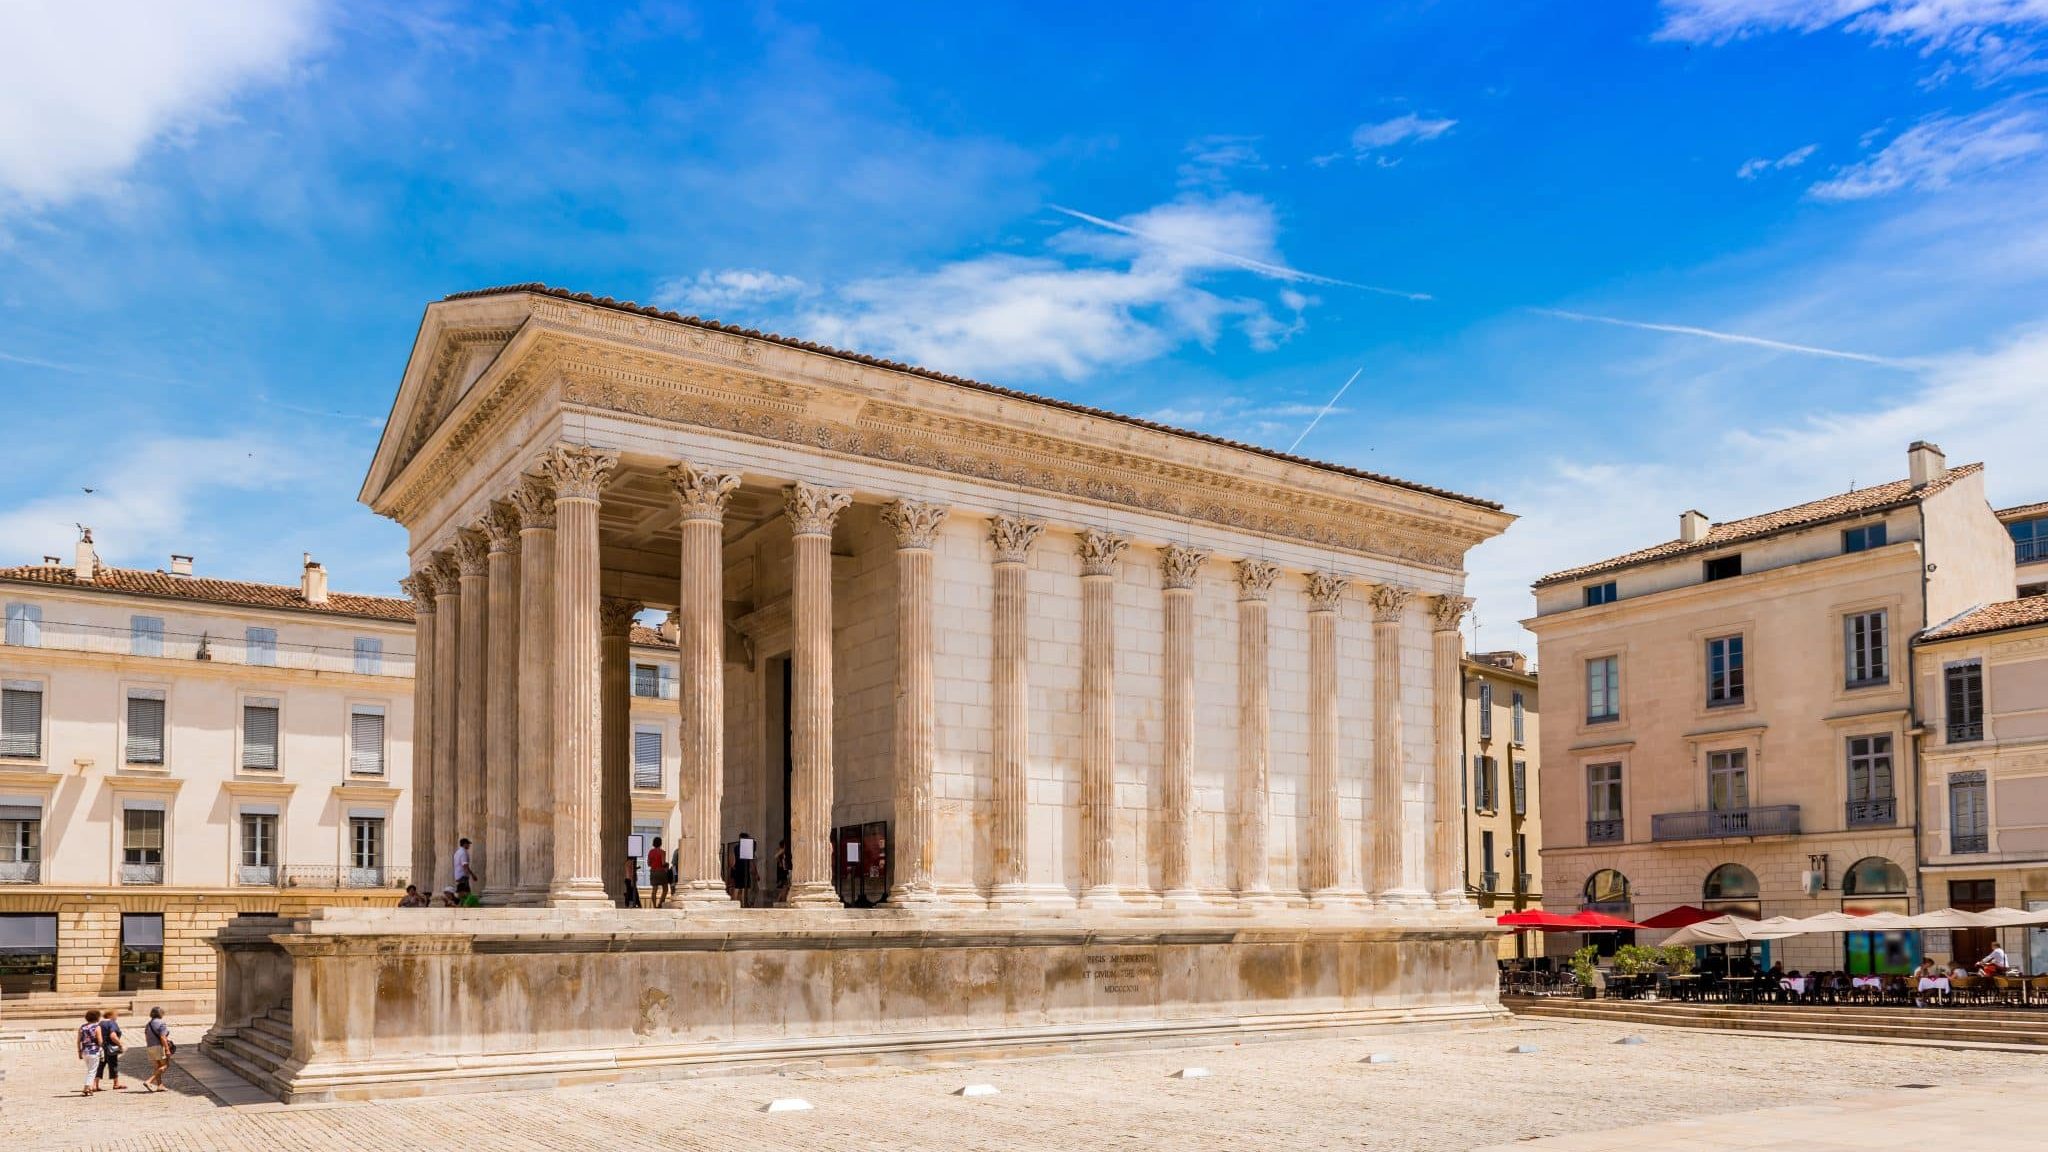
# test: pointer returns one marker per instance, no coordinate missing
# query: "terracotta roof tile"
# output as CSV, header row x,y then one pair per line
x,y
1882,497
645,637
240,593
2022,512
538,289
1997,617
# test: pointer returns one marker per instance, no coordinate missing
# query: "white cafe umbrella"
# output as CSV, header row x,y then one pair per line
x,y
2012,917
1949,918
1734,930
1851,922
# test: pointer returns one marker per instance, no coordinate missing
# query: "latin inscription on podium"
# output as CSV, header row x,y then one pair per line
x,y
1123,973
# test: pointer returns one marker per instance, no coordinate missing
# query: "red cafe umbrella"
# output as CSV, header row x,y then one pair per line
x,y
1602,922
1683,916
1536,919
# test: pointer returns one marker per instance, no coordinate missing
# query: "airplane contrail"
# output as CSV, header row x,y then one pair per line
x,y
1277,271
1727,337
1326,410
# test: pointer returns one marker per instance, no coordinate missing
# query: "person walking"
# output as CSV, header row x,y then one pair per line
x,y
157,1034
110,1050
657,873
463,871
89,1050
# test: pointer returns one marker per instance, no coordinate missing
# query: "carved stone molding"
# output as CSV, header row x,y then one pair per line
x,y
1389,601
446,574
615,615
1255,579
578,471
1446,611
916,523
813,510
472,552
1326,590
702,493
1013,537
420,586
535,498
502,525
1179,564
1099,550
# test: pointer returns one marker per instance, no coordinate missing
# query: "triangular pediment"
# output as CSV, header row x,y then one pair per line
x,y
448,358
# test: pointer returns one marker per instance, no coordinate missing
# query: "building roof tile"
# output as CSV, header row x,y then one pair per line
x,y
206,589
2022,512
2021,613
1860,501
538,289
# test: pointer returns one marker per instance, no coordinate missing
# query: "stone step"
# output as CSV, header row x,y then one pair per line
x,y
279,1046
1932,1027
282,1029
250,1064
1960,1016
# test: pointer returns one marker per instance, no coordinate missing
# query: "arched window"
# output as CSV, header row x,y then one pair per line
x,y
1607,887
1874,876
1730,882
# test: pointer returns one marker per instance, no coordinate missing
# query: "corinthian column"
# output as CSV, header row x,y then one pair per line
x,y
1013,537
916,710
447,663
1179,565
812,511
1446,697
700,648
535,497
1254,730
578,473
1099,550
1388,882
615,712
420,586
501,708
1325,595
473,554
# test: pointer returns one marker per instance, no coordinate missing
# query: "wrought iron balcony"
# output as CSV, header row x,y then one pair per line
x,y
1882,812
333,878
1489,881
1962,845
142,873
1603,831
2028,551
1524,881
21,872
1965,733
1775,820
256,875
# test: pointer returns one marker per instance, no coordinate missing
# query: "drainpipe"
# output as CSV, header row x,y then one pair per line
x,y
1917,731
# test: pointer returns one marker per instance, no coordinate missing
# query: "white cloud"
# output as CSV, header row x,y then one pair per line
x,y
1942,150
1751,169
707,293
1376,140
1212,160
1995,36
87,89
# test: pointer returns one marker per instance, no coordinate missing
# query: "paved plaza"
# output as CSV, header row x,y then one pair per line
x,y
1444,1091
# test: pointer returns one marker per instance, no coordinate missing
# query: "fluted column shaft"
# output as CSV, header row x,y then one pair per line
x,y
420,586
916,526
1180,566
578,473
812,512
700,648
1388,804
1254,729
501,710
1099,551
1011,818
472,751
536,500
1325,590
1446,699
615,708
447,713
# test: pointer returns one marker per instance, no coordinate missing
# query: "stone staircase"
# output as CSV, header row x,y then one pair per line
x,y
255,1050
1970,1026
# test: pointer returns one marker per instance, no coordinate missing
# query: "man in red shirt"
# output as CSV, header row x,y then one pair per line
x,y
657,873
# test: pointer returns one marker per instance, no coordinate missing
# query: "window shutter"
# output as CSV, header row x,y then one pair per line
x,y
21,721
145,730
259,736
1485,711
366,742
647,758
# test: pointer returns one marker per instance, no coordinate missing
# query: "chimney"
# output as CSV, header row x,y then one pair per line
x,y
1692,526
87,564
1925,463
53,561
313,581
181,565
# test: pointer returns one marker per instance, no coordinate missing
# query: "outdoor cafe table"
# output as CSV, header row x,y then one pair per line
x,y
1685,986
1741,987
1871,984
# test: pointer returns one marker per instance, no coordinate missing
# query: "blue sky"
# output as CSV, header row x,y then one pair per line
x,y
1600,262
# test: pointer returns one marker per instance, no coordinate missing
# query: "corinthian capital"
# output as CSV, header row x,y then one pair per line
x,y
420,586
1326,590
501,524
577,470
916,524
702,492
473,552
1389,601
534,496
615,615
1446,611
1013,537
1255,579
813,510
1179,564
446,574
1099,550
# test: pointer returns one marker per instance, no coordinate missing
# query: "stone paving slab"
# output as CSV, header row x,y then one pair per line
x,y
1456,1090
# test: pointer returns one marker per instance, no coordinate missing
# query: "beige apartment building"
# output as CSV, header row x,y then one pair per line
x,y
2028,526
176,751
1503,821
1736,724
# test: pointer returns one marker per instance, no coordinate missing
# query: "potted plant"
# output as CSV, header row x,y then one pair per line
x,y
1587,975
1680,958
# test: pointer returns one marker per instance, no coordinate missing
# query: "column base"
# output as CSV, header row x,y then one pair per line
x,y
1182,900
701,896
1101,896
1399,898
1455,900
529,897
1260,898
1334,897
914,896
813,894
586,893
1031,896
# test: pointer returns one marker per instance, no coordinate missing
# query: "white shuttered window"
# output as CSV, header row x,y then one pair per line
x,y
21,720
259,735
647,758
145,726
366,740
